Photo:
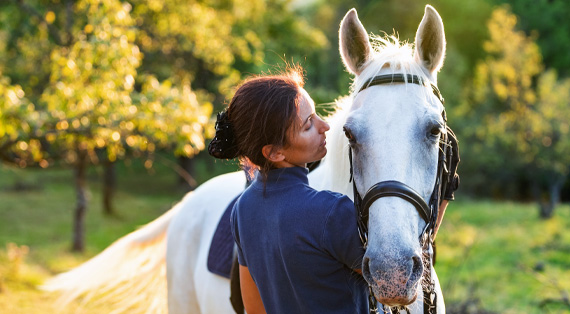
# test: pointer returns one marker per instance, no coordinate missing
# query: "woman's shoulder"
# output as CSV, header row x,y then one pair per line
x,y
331,199
327,194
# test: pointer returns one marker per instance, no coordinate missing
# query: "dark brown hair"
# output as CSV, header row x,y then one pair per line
x,y
261,112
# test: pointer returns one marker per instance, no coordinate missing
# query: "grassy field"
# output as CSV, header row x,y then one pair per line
x,y
492,257
502,258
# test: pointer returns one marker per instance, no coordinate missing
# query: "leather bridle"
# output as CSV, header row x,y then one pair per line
x,y
428,212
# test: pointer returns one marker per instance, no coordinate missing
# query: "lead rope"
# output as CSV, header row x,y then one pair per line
x,y
428,284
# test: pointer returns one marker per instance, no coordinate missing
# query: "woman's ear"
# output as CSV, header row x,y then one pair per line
x,y
272,153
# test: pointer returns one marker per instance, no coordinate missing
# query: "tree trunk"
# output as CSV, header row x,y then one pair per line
x,y
187,169
546,210
547,207
109,186
78,244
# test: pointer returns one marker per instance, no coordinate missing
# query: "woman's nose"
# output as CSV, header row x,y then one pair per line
x,y
324,126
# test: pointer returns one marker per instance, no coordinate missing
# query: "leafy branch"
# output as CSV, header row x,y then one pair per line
x,y
53,30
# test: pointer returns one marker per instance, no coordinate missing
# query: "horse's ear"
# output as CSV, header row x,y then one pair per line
x,y
430,41
354,43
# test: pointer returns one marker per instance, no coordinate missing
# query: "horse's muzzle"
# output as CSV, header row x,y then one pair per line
x,y
395,278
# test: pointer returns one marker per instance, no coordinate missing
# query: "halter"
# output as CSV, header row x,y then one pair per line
x,y
428,212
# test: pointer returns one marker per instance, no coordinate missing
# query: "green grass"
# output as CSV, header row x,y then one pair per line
x,y
36,208
505,258
487,251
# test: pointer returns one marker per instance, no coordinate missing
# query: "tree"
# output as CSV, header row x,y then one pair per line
x,y
553,159
549,19
19,127
514,124
90,105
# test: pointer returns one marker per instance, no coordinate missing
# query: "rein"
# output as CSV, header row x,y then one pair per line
x,y
428,212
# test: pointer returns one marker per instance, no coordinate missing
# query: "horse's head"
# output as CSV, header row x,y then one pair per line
x,y
394,131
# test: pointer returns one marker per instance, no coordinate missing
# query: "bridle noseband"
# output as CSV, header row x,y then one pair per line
x,y
428,212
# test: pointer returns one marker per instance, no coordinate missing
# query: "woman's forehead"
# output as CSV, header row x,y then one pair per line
x,y
305,108
306,103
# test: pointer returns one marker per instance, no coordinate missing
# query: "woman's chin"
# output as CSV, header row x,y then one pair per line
x,y
322,153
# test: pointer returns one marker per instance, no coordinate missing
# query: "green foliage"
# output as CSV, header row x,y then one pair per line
x,y
92,80
167,115
549,20
553,95
199,41
214,43
503,91
19,125
90,106
29,35
90,101
83,68
515,112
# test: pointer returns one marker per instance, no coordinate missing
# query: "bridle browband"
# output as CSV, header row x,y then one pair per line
x,y
428,212
399,78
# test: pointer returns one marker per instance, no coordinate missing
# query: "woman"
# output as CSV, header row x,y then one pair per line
x,y
298,248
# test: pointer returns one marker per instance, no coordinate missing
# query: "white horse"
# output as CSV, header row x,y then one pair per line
x,y
391,127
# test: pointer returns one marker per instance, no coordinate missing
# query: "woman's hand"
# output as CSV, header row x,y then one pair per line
x,y
442,208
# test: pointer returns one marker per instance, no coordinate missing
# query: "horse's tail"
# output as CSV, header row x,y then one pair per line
x,y
130,274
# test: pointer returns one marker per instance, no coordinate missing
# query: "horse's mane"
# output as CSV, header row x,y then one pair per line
x,y
388,53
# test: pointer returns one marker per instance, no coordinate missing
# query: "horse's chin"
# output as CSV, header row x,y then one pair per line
x,y
391,295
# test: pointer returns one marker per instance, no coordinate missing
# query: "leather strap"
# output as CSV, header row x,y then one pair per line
x,y
397,189
400,78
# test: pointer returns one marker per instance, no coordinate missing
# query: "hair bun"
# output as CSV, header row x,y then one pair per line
x,y
223,145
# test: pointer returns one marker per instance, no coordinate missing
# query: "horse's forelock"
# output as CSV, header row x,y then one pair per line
x,y
389,53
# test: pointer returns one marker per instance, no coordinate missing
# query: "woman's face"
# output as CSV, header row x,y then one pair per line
x,y
306,137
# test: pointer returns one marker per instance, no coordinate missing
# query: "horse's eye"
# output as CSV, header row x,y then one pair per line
x,y
348,134
435,130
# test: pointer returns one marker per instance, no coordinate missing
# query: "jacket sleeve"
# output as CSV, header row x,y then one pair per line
x,y
235,233
340,234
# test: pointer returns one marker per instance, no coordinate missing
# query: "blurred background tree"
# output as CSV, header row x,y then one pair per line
x,y
548,21
19,126
515,118
92,111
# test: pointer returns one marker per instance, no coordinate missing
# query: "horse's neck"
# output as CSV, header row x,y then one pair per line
x,y
334,171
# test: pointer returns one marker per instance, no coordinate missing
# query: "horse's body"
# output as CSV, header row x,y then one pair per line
x,y
389,123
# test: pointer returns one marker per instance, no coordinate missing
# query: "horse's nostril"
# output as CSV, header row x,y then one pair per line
x,y
417,267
